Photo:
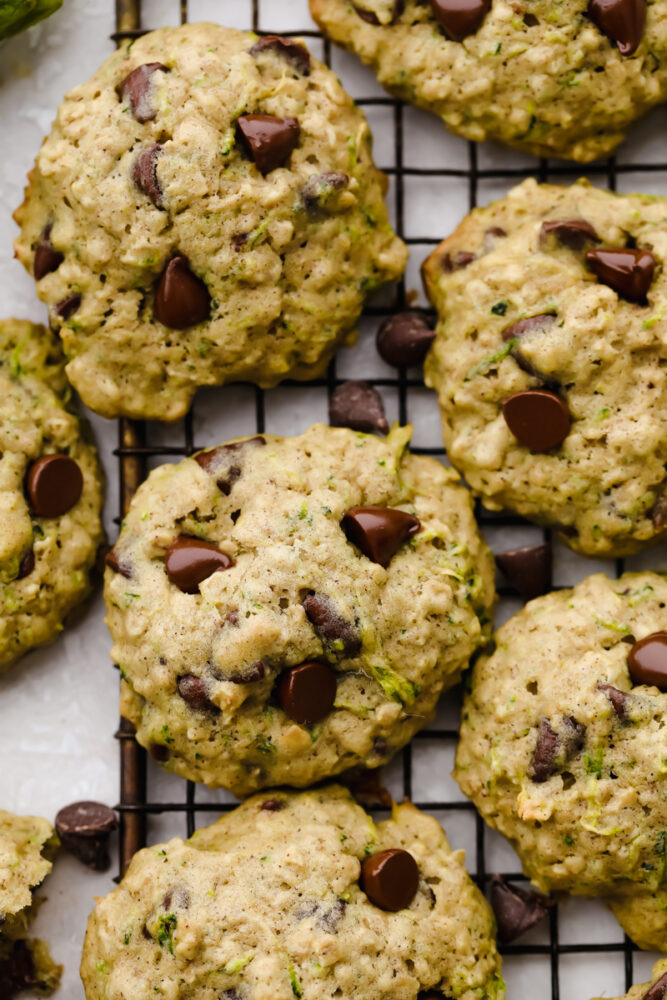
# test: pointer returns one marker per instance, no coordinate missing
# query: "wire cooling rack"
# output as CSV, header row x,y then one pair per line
x,y
146,794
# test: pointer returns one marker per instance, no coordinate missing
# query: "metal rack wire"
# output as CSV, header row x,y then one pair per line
x,y
136,447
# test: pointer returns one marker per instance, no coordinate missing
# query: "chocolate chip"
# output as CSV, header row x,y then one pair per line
x,y
176,899
135,90
27,565
658,991
294,53
329,919
572,233
189,561
359,406
457,261
528,570
273,805
67,307
432,995
404,339
222,462
491,237
307,693
369,790
390,879
254,672
537,418
623,21
118,565
460,18
528,325
47,258
17,971
84,828
545,752
629,272
194,691
371,18
181,298
144,173
620,700
647,661
159,752
516,909
320,190
379,531
330,626
54,484
269,140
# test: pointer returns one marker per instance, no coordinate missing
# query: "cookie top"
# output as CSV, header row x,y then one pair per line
x,y
334,552
50,492
563,745
655,990
549,360
271,894
554,80
205,209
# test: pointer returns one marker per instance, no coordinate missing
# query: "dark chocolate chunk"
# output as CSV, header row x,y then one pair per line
x,y
658,991
572,233
528,570
330,626
516,909
294,53
269,140
194,691
545,752
620,700
623,21
528,325
135,90
370,18
27,565
307,693
253,672
54,484
118,565
67,306
404,339
457,261
647,661
17,971
319,192
390,879
273,805
84,828
181,298
47,258
222,462
629,272
359,406
460,18
144,173
159,752
379,531
189,561
538,419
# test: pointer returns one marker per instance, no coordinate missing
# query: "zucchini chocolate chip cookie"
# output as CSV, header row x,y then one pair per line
x,y
28,845
550,360
655,990
205,209
563,745
284,609
563,79
50,493
297,895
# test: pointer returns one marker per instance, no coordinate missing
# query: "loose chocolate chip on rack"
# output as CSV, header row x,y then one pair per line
x,y
294,53
330,626
189,561
222,462
359,406
307,693
545,752
194,691
144,173
67,307
620,700
623,21
460,18
390,879
528,570
47,258
516,909
528,325
84,828
54,483
319,191
371,18
135,90
629,272
572,233
647,660
379,531
404,339
181,298
537,418
269,140
118,565
27,565
658,991
457,261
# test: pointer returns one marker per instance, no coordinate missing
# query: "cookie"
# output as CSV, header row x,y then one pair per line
x,y
50,493
28,845
563,745
297,895
549,360
284,609
655,990
17,15
562,81
205,209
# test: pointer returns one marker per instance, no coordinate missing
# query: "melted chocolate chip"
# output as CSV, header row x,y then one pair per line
x,y
623,21
390,879
370,18
159,752
190,561
27,565
269,140
460,18
528,570
647,661
84,828
658,991
194,691
537,418
359,406
144,173
253,672
572,233
629,272
273,805
620,700
47,258
307,693
528,325
67,306
330,626
320,191
181,298
516,909
294,53
545,752
379,531
135,90
457,261
404,339
118,565
222,462
54,484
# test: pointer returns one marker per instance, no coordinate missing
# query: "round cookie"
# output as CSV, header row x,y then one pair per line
x,y
205,209
334,552
268,903
549,360
655,990
50,493
563,745
553,80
